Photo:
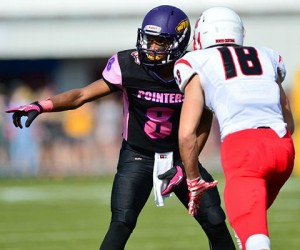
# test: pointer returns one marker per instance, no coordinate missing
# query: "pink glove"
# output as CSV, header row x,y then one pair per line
x,y
197,188
175,177
31,110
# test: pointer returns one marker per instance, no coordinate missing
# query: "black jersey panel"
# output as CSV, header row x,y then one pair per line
x,y
153,106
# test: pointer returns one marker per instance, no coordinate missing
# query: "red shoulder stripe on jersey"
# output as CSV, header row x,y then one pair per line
x,y
184,62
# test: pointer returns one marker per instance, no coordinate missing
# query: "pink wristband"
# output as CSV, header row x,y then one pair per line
x,y
47,105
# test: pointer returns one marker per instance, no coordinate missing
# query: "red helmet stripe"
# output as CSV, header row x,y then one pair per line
x,y
197,42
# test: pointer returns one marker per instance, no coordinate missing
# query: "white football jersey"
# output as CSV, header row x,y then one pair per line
x,y
239,85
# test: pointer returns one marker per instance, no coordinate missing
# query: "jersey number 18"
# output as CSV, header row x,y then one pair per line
x,y
247,60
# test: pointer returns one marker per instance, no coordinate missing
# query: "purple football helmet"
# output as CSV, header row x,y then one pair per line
x,y
169,28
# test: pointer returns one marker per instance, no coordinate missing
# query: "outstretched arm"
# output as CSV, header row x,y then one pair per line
x,y
68,100
75,98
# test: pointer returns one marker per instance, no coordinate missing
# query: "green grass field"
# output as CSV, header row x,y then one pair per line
x,y
73,214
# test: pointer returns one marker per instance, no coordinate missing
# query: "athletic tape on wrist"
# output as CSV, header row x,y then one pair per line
x,y
47,105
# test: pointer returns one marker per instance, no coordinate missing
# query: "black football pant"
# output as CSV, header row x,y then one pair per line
x,y
131,189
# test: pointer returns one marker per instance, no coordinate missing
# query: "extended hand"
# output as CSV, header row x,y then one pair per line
x,y
197,188
31,111
174,176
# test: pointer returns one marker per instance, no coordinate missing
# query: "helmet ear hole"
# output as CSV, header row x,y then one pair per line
x,y
165,23
217,26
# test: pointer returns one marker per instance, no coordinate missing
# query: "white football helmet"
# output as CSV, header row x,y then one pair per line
x,y
216,26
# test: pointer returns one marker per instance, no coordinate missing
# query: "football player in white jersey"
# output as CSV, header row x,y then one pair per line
x,y
242,86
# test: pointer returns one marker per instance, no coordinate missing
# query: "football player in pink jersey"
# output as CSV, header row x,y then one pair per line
x,y
242,85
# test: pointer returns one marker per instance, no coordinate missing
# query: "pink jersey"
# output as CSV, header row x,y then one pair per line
x,y
239,85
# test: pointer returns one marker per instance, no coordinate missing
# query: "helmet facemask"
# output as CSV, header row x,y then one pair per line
x,y
156,50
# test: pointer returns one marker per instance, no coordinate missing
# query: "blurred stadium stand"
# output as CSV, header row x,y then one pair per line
x,y
47,46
